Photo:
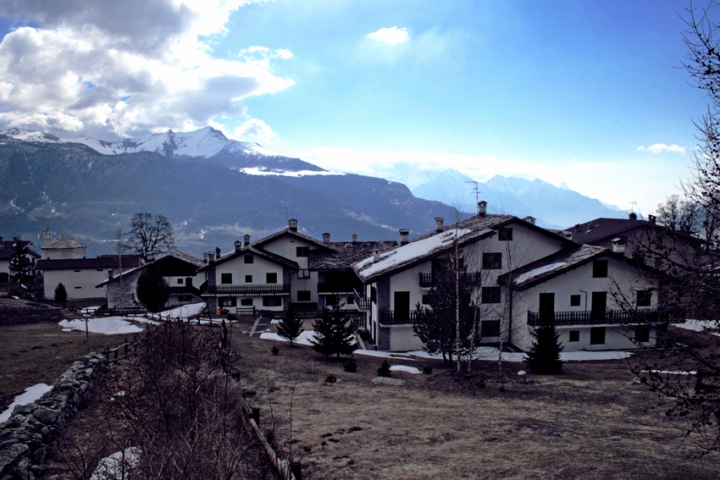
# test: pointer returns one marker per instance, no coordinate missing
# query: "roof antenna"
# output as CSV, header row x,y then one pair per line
x,y
474,189
632,206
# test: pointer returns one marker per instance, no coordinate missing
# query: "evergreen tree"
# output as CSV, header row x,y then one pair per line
x,y
60,293
290,326
152,290
544,355
20,264
333,333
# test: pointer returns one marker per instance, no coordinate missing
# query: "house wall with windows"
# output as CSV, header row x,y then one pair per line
x,y
577,297
79,283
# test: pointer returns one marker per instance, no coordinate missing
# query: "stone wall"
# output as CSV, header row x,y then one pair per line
x,y
31,430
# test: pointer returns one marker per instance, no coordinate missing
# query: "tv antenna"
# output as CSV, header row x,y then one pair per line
x,y
474,189
632,206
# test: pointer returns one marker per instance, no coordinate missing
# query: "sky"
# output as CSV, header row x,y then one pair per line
x,y
590,94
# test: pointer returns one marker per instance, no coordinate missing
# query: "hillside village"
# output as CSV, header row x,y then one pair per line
x,y
589,281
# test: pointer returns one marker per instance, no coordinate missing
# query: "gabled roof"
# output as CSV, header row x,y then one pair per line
x,y
436,243
7,246
104,262
63,241
189,260
344,254
251,249
559,263
603,229
291,233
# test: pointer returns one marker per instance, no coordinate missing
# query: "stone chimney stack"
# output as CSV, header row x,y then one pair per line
x,y
210,257
326,238
632,216
292,225
482,208
618,244
205,258
247,239
529,219
218,252
110,274
404,236
376,256
652,219
238,245
354,238
439,224
47,236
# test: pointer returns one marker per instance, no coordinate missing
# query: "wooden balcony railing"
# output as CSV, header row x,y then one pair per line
x,y
391,317
611,317
363,304
245,289
428,280
337,287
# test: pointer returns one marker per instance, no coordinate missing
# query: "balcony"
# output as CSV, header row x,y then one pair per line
x,y
391,317
427,279
270,289
337,287
363,304
611,317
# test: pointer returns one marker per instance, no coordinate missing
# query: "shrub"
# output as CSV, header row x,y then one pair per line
x,y
331,379
275,350
427,370
384,370
231,316
350,366
60,293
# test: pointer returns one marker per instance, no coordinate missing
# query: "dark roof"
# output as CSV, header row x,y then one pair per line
x,y
63,241
251,249
105,261
604,229
187,262
6,249
345,254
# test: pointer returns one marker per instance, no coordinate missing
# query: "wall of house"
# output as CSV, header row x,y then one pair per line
x,y
79,284
115,296
304,284
621,284
258,270
398,338
286,246
5,266
63,253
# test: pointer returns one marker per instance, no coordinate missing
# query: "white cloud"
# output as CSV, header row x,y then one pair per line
x,y
255,129
126,66
390,36
662,148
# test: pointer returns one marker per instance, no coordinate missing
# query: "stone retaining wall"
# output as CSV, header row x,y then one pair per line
x,y
31,430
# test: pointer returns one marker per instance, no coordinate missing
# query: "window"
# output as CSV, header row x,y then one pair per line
x,y
249,259
226,278
78,288
574,336
228,302
490,328
642,334
373,294
248,278
644,298
272,301
303,273
271,277
426,299
490,294
505,234
4,277
180,281
302,251
597,335
350,301
76,271
98,269
246,302
303,295
492,261
600,269
574,300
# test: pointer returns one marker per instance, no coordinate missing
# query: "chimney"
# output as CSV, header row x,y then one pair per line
x,y
632,216
47,236
110,273
210,257
651,219
247,239
482,208
205,258
354,238
376,256
326,237
218,253
238,245
292,225
618,244
404,236
577,228
529,219
439,224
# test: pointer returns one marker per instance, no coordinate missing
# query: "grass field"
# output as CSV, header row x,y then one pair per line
x,y
592,421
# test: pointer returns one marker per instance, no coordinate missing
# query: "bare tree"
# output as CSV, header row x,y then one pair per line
x,y
151,235
680,215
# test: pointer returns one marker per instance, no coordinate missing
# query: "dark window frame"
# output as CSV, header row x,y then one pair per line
x,y
643,298
304,296
491,294
642,334
575,300
490,328
492,261
226,278
600,269
302,251
597,334
249,259
573,336
271,278
248,279
505,234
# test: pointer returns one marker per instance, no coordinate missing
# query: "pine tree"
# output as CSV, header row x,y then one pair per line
x,y
19,263
333,333
544,355
152,290
290,326
60,293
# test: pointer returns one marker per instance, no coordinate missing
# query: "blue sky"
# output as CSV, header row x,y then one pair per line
x,y
589,94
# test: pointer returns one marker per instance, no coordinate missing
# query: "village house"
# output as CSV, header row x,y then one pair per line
x,y
7,247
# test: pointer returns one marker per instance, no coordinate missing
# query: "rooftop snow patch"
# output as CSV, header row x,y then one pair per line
x,y
535,272
284,173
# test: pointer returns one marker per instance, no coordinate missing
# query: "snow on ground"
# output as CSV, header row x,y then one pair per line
x,y
675,372
89,310
381,354
699,325
538,271
117,465
404,368
31,394
104,325
183,312
303,339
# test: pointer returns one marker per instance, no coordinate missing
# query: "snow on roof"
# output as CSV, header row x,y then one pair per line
x,y
539,271
409,252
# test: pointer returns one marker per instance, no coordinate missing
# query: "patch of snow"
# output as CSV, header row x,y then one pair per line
x,y
104,325
117,465
274,322
183,312
491,354
382,354
303,339
699,325
522,372
405,253
285,173
675,372
31,394
588,356
404,368
535,272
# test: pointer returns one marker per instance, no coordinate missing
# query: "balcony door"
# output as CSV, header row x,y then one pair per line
x,y
547,308
599,305
402,305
